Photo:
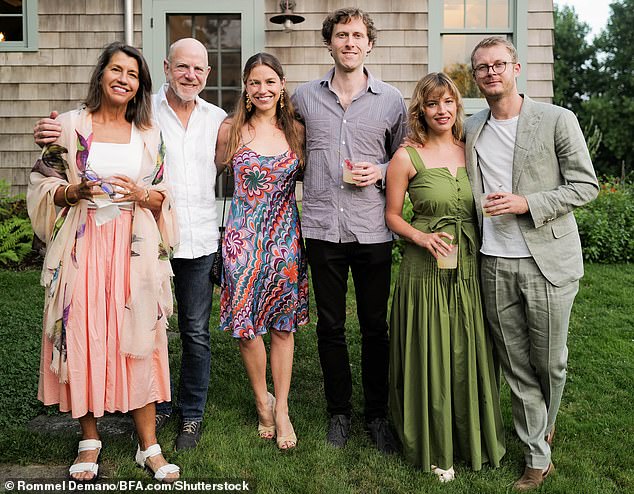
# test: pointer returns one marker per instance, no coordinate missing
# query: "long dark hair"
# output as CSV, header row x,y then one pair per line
x,y
285,114
139,109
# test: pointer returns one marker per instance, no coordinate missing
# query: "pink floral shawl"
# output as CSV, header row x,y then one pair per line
x,y
150,301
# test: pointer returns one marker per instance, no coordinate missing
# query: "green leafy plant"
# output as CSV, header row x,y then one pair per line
x,y
399,245
593,136
11,205
606,225
16,234
461,75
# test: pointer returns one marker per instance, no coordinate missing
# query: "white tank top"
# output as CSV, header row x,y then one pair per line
x,y
107,158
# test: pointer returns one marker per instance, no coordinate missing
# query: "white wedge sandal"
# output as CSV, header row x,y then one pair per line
x,y
444,475
92,467
162,472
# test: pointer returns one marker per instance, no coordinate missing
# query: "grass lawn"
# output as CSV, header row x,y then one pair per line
x,y
595,431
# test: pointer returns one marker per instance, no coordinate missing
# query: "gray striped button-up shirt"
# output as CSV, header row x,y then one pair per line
x,y
371,129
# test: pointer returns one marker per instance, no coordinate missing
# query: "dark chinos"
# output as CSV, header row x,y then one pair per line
x,y
344,227
193,291
191,172
371,268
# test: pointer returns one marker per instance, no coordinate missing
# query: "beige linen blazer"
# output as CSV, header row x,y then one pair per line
x,y
553,170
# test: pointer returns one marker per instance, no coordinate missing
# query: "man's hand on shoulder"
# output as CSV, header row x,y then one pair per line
x,y
47,130
407,142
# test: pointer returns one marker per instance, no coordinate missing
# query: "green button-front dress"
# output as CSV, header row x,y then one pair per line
x,y
444,398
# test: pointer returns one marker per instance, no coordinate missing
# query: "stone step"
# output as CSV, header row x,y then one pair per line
x,y
110,424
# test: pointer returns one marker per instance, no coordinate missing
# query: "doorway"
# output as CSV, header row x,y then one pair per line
x,y
232,31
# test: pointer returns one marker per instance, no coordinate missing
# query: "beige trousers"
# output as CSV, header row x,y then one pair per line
x,y
528,318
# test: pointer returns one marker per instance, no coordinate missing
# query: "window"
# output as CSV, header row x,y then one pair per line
x,y
18,25
232,30
456,26
220,33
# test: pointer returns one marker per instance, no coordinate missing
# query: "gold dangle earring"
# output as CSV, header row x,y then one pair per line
x,y
247,103
282,98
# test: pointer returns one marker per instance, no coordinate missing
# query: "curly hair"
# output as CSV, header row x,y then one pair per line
x,y
139,109
344,16
433,85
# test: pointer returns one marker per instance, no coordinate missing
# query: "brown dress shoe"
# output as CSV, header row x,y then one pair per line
x,y
532,478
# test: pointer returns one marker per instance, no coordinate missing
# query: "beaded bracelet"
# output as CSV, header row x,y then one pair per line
x,y
146,199
66,196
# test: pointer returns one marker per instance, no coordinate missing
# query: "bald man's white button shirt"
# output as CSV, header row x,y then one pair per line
x,y
191,173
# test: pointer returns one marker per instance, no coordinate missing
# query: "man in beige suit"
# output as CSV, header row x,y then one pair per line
x,y
530,163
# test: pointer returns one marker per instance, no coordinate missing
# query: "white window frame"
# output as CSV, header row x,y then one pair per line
x,y
518,12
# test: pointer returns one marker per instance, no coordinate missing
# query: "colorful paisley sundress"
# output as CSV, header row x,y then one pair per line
x,y
265,282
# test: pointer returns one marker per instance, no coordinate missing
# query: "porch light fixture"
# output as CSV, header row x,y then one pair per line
x,y
287,17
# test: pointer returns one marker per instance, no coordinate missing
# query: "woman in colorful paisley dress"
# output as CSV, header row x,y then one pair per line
x,y
98,200
444,398
265,273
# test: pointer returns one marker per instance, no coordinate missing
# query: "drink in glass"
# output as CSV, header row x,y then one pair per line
x,y
348,166
450,261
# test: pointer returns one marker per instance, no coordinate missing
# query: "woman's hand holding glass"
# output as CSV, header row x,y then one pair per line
x,y
434,243
126,190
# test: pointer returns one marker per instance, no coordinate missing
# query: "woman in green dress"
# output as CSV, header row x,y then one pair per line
x,y
444,397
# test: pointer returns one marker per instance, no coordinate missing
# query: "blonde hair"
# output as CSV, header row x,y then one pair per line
x,y
432,86
494,41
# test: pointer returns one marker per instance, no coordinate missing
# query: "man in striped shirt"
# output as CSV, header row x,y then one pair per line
x,y
354,121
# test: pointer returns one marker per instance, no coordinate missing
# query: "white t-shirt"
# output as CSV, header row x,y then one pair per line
x,y
501,235
191,173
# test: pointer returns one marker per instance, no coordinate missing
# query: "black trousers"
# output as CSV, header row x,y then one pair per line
x,y
371,269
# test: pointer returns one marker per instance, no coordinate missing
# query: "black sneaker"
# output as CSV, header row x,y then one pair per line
x,y
161,420
381,435
338,431
189,435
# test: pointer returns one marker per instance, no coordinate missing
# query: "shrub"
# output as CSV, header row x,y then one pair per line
x,y
399,245
16,234
16,238
11,205
606,225
593,136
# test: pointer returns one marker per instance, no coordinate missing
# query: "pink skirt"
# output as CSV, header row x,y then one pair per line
x,y
100,378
